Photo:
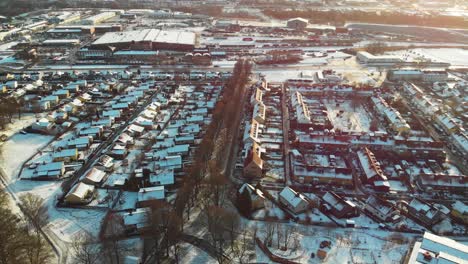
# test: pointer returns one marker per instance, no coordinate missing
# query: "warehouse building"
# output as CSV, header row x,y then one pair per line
x,y
367,58
297,23
148,39
99,18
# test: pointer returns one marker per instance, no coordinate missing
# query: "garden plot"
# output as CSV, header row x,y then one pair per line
x,y
348,116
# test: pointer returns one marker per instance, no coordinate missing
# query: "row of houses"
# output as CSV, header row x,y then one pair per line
x,y
300,110
102,172
253,162
393,117
75,139
322,89
451,125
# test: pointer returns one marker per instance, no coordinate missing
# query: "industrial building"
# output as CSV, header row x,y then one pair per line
x,y
96,19
297,23
148,39
427,75
366,57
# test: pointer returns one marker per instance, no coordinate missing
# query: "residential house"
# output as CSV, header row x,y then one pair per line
x,y
43,126
52,170
149,194
169,162
453,183
162,177
106,163
251,132
460,211
80,143
94,131
256,196
381,209
136,221
393,117
94,176
372,172
253,164
259,112
448,123
426,213
80,194
66,155
338,206
301,111
294,201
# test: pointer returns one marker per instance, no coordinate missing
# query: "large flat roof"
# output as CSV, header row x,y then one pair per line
x,y
150,35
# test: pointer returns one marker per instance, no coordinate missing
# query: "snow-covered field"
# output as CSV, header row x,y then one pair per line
x,y
456,57
18,149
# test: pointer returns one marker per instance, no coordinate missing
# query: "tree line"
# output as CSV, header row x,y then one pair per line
x,y
8,108
21,239
394,18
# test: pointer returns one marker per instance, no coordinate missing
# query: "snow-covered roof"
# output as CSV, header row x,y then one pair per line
x,y
460,207
149,35
81,189
299,19
65,153
137,217
254,192
438,249
151,193
95,175
292,197
163,177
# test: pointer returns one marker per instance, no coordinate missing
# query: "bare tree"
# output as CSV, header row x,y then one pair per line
x,y
86,249
279,234
242,245
36,249
217,217
269,232
217,184
289,232
113,231
232,225
35,208
165,228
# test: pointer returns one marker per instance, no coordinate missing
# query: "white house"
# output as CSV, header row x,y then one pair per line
x,y
294,201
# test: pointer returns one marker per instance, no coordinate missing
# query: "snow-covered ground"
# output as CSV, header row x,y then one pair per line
x,y
456,57
65,223
193,255
19,124
347,245
347,117
18,149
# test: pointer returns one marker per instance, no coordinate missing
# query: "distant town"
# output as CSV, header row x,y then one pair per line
x,y
234,132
